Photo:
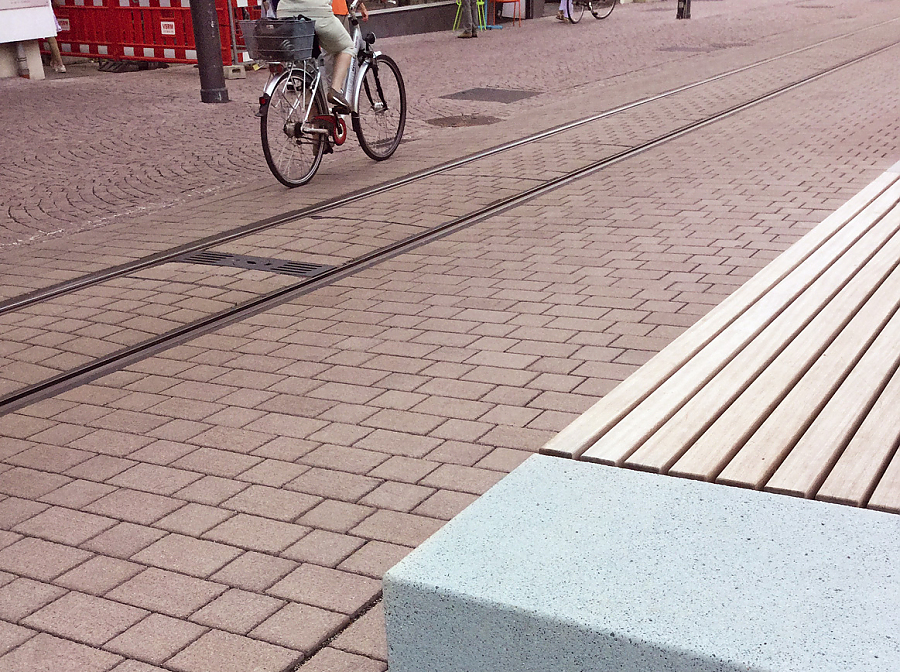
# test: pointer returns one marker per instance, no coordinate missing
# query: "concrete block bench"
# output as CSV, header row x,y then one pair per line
x,y
566,566
790,386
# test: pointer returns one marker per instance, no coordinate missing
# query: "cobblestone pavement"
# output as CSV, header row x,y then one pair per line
x,y
230,503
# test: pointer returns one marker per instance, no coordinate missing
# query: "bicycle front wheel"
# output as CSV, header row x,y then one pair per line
x,y
381,115
602,8
576,10
292,149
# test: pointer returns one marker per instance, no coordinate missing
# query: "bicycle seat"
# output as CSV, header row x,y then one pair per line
x,y
316,50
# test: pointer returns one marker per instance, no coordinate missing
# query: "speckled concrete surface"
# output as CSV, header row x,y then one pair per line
x,y
566,566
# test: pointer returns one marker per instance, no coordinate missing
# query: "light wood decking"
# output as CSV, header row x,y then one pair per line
x,y
791,385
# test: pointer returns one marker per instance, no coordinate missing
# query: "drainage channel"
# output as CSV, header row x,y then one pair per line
x,y
328,275
180,252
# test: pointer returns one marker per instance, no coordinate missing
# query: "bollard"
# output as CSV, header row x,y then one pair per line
x,y
209,51
684,9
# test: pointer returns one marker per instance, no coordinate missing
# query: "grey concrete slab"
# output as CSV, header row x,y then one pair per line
x,y
573,566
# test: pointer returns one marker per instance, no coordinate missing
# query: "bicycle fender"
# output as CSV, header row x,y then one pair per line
x,y
360,76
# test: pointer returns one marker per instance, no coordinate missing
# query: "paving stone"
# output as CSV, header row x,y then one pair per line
x,y
49,458
273,473
334,660
193,519
65,526
333,485
45,653
187,555
271,502
211,490
444,504
397,528
162,452
28,483
154,478
321,547
155,639
77,494
115,443
257,534
84,618
124,540
254,571
22,597
39,559
375,558
225,652
134,506
238,611
99,575
300,626
365,636
327,588
404,469
14,510
135,666
467,479
399,443
342,458
335,515
166,592
100,468
396,496
12,636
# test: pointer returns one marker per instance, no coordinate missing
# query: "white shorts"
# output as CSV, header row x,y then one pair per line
x,y
333,37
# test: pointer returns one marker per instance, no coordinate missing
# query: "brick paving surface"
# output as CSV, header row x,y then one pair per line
x,y
230,503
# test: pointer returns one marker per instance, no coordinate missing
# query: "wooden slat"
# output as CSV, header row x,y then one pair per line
x,y
804,371
856,473
596,421
887,494
787,307
808,462
765,451
786,348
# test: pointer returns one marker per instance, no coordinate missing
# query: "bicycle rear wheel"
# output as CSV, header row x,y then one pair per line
x,y
602,8
575,9
293,154
381,118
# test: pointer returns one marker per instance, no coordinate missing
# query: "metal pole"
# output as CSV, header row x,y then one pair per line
x,y
209,51
684,9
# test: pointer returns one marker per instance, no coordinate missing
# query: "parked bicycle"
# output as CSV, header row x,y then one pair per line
x,y
599,8
296,124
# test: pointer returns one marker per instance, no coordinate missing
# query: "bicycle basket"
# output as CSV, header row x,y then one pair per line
x,y
279,40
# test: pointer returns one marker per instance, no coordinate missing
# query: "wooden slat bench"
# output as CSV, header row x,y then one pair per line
x,y
790,385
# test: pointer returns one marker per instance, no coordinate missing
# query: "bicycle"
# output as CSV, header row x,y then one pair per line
x,y
296,125
599,8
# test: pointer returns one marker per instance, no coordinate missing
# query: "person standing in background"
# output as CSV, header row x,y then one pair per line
x,y
339,7
468,18
56,61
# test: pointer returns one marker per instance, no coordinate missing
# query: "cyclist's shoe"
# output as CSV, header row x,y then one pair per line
x,y
560,16
467,34
337,99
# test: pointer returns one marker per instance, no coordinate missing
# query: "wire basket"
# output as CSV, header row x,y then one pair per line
x,y
279,40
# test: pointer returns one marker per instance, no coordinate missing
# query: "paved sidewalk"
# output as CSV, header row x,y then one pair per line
x,y
231,503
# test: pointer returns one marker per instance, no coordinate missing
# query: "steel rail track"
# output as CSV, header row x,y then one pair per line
x,y
69,286
100,366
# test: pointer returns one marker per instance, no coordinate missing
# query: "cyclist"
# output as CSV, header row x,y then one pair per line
x,y
333,38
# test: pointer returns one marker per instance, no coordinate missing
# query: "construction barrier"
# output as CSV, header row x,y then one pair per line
x,y
146,30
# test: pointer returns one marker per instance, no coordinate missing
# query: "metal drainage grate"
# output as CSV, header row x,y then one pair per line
x,y
492,95
463,120
282,266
